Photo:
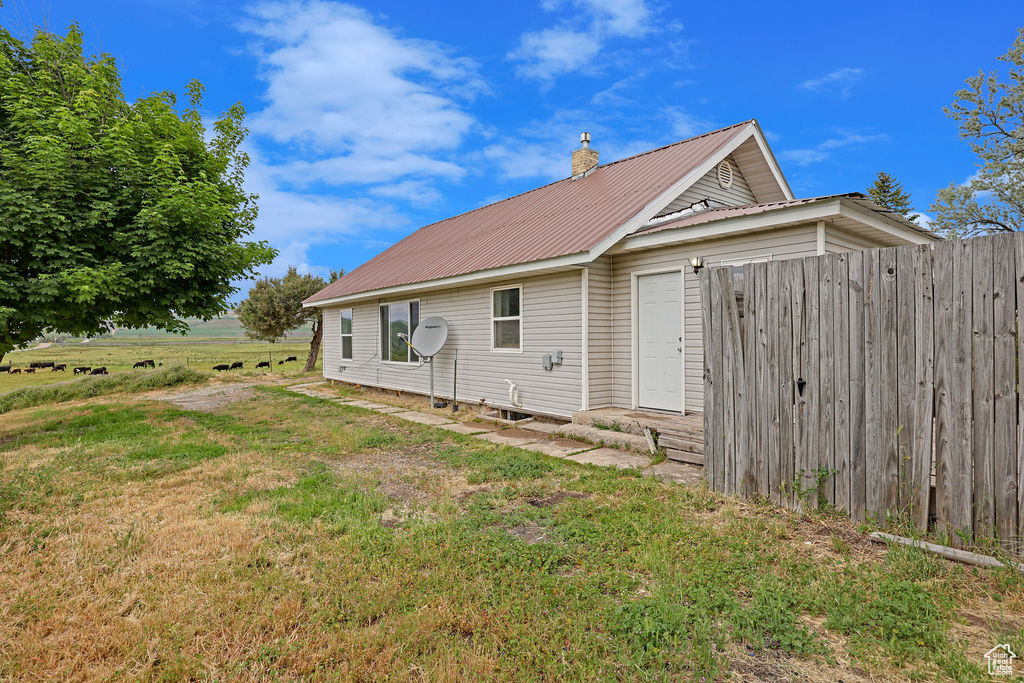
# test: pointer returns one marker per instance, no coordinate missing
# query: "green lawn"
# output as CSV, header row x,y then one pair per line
x,y
118,356
281,536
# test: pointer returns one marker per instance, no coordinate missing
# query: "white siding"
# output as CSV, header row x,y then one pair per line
x,y
709,188
838,241
552,313
599,323
782,243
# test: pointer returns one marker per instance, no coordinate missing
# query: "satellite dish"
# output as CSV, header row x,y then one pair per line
x,y
429,336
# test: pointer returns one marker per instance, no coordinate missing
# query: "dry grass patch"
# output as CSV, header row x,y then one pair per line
x,y
289,537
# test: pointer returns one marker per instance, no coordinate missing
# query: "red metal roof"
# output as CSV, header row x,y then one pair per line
x,y
566,217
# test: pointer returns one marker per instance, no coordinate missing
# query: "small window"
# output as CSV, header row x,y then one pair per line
x,y
397,323
506,319
346,334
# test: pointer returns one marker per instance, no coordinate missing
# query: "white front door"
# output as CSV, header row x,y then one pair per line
x,y
660,341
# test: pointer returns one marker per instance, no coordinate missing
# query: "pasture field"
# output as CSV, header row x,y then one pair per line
x,y
237,530
119,356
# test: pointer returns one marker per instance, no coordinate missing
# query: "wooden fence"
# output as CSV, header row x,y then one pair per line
x,y
871,379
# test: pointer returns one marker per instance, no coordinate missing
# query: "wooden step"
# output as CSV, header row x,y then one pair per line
x,y
684,456
679,444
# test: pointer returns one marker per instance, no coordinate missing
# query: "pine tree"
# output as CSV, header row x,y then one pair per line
x,y
888,192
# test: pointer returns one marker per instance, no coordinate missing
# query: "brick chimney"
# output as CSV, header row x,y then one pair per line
x,y
584,158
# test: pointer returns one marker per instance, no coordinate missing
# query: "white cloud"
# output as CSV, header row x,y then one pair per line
x,y
822,151
686,125
413,191
529,159
923,219
295,222
356,93
574,43
840,80
543,148
553,52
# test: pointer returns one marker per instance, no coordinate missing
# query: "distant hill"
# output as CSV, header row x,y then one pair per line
x,y
225,327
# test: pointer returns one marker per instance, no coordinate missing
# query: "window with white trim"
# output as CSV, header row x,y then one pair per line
x,y
346,334
506,319
398,321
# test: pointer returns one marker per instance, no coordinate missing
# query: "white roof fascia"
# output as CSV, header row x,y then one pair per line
x,y
808,213
458,280
773,163
887,225
641,218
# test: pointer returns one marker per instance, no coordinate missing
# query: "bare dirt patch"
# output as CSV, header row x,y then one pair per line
x,y
411,478
529,533
554,498
209,399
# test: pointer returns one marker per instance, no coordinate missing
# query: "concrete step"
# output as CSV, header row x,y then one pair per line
x,y
632,442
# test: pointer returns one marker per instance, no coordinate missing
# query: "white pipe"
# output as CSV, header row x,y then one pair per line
x,y
513,393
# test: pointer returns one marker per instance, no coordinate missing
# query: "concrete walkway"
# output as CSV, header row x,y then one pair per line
x,y
524,437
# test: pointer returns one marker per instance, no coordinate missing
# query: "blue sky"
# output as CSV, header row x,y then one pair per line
x,y
369,120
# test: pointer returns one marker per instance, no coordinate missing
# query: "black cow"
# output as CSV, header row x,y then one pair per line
x,y
82,370
263,364
60,366
29,371
280,362
237,365
140,364
150,363
38,364
98,371
5,368
16,371
289,359
222,366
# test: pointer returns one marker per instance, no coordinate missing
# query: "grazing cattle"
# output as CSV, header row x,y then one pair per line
x,y
140,364
5,368
289,359
280,362
98,371
29,371
16,371
222,366
38,364
60,366
81,370
263,364
237,365
150,363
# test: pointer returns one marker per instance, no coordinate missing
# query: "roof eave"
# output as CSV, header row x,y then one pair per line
x,y
475,277
892,225
806,213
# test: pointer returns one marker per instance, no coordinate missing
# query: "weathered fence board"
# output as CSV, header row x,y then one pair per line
x,y
864,379
1004,396
984,386
924,387
858,424
826,368
841,385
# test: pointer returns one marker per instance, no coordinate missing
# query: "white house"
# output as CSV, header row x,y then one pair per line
x,y
593,267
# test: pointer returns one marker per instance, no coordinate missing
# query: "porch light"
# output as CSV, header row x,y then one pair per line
x,y
697,263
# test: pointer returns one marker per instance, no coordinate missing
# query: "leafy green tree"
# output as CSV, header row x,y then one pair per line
x,y
274,307
991,115
888,192
113,213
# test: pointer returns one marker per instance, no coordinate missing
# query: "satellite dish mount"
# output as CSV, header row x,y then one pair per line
x,y
427,341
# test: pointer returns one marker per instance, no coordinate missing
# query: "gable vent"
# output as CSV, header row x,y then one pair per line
x,y
725,174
